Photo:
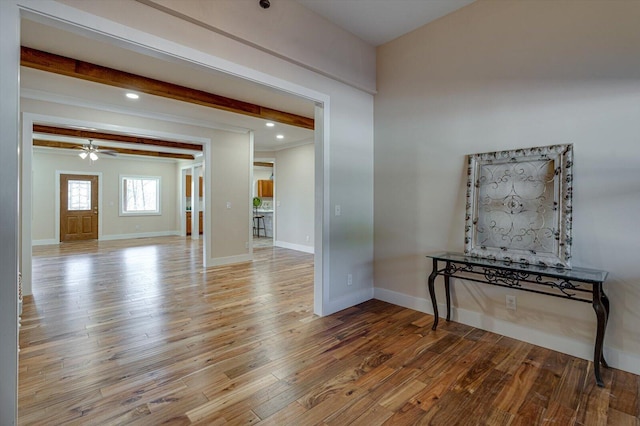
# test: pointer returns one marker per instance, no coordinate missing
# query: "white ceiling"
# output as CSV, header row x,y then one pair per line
x,y
380,21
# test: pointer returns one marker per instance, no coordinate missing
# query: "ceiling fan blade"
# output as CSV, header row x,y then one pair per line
x,y
108,152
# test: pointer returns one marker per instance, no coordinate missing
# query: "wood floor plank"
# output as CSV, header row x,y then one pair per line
x,y
137,332
625,397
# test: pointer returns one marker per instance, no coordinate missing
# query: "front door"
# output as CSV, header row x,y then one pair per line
x,y
78,207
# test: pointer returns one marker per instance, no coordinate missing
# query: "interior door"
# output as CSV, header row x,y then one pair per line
x,y
78,207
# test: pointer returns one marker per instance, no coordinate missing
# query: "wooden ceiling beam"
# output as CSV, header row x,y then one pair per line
x,y
155,154
89,134
38,59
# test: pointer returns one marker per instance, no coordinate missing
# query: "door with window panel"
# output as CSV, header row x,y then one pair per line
x,y
78,207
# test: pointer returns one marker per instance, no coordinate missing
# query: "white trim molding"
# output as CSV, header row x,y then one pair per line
x,y
291,246
229,260
49,242
351,299
139,235
9,216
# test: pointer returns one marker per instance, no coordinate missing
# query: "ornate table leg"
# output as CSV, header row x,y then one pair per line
x,y
432,292
447,289
601,313
605,302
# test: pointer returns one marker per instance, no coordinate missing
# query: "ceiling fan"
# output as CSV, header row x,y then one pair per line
x,y
92,151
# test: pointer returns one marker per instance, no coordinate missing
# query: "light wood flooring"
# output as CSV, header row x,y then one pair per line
x,y
135,332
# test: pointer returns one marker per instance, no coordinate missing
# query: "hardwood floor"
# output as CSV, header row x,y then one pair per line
x,y
135,332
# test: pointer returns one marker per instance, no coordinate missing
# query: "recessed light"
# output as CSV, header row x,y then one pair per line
x,y
269,124
132,95
280,136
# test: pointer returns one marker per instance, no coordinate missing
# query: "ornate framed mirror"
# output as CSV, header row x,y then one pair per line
x,y
519,205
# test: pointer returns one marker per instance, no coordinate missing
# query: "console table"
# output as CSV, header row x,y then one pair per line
x,y
581,284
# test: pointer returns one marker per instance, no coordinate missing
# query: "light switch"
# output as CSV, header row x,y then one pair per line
x,y
338,210
278,203
228,204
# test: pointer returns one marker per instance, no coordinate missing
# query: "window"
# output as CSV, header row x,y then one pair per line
x,y
140,195
79,195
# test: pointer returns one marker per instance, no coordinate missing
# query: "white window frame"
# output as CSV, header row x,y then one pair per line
x,y
121,192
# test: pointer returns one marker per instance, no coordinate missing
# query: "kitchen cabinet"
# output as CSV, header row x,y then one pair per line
x,y
189,222
188,186
265,188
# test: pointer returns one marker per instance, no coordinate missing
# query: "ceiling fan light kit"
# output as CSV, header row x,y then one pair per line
x,y
92,151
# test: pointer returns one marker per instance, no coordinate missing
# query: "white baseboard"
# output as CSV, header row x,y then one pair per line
x,y
578,348
139,235
347,301
114,237
229,260
401,299
298,247
44,242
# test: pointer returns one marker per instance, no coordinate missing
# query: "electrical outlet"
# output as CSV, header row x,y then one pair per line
x,y
511,302
349,279
228,204
308,238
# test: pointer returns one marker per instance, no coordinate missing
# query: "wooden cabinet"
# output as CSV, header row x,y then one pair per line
x,y
265,188
188,187
189,222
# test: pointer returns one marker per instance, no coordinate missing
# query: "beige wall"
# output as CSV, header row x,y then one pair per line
x,y
230,172
295,193
47,161
507,74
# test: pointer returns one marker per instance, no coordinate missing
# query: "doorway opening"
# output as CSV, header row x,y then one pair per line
x,y
158,49
263,202
192,211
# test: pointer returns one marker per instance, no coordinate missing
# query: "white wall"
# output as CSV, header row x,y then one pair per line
x,y
47,161
295,195
9,223
502,75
